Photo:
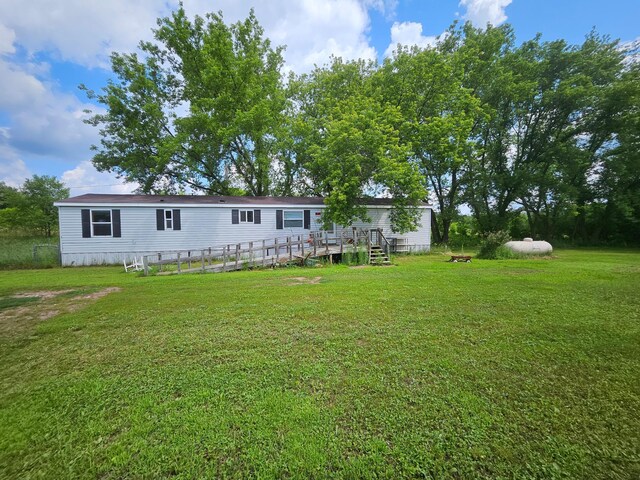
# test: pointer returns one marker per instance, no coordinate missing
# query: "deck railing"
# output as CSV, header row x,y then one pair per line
x,y
263,253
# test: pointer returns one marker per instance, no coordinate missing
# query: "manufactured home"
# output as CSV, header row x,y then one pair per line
x,y
107,229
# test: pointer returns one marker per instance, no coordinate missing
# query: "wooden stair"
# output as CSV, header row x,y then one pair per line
x,y
377,256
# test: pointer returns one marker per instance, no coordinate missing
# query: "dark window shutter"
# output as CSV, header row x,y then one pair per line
x,y
160,219
176,220
256,216
279,220
235,216
115,220
86,223
307,219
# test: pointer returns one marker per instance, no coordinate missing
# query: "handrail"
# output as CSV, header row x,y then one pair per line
x,y
228,256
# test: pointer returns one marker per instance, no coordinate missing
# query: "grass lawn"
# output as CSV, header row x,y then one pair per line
x,y
494,369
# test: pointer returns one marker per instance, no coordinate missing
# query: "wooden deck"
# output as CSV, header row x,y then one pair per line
x,y
299,249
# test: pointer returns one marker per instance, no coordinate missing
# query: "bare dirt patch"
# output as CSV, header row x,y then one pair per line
x,y
303,280
50,304
42,294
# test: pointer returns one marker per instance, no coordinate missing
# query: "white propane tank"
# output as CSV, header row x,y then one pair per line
x,y
529,246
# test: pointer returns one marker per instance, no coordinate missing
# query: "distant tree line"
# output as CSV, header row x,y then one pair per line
x,y
29,209
543,135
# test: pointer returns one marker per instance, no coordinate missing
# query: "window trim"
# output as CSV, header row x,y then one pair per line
x,y
110,222
284,219
246,213
167,220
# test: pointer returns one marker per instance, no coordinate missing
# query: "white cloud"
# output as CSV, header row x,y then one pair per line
x,y
42,119
80,31
86,32
481,12
86,179
631,50
13,170
7,37
408,34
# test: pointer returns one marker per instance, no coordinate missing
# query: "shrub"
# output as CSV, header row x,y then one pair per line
x,y
491,243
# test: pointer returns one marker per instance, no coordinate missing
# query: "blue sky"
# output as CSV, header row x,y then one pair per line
x,y
48,47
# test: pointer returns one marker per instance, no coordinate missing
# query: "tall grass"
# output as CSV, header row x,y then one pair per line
x,y
18,252
359,257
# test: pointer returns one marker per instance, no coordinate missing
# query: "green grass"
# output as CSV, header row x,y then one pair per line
x,y
17,252
10,302
493,369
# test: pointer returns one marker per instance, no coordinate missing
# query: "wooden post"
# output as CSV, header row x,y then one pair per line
x,y
160,260
301,237
237,254
224,258
264,253
277,249
251,259
341,245
314,244
289,248
355,240
145,264
179,269
326,242
202,258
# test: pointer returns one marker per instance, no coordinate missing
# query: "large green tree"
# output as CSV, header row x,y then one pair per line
x,y
202,108
547,118
438,114
348,145
30,208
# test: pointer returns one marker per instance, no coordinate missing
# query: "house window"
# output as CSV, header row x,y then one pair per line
x,y
101,223
168,219
293,218
246,216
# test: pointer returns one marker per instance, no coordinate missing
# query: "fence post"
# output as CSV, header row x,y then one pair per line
x,y
277,249
179,269
289,248
224,258
202,257
160,260
355,240
237,254
145,265
264,253
301,237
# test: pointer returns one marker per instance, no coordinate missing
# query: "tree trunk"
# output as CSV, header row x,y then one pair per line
x,y
446,225
435,230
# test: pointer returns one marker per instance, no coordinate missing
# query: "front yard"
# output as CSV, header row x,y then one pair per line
x,y
493,369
